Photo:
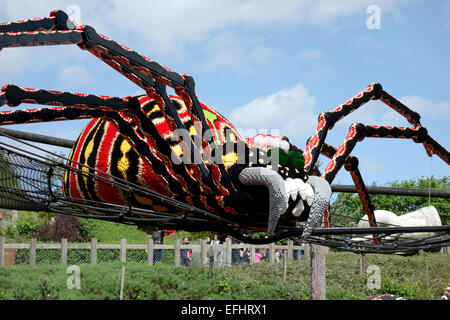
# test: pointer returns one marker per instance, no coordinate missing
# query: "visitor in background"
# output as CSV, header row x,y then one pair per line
x,y
158,238
258,256
185,254
215,239
219,254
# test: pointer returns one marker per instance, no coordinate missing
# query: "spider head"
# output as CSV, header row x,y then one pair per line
x,y
276,178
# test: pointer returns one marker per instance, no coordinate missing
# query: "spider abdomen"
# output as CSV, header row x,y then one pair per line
x,y
103,150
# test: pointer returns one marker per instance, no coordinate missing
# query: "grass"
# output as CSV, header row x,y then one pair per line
x,y
112,232
415,277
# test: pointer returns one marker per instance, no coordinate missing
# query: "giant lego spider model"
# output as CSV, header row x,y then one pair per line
x,y
166,161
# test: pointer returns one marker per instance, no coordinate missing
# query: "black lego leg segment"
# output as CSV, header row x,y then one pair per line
x,y
58,20
3,99
359,131
40,38
41,24
17,95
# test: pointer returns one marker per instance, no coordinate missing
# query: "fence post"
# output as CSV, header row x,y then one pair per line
x,y
2,251
272,253
203,252
228,252
285,258
305,251
123,250
290,250
122,280
252,254
93,250
211,261
318,272
176,252
33,251
150,252
63,251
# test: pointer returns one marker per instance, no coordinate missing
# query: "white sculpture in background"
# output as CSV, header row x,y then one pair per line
x,y
424,217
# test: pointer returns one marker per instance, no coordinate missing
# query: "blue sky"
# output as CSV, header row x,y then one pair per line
x,y
266,65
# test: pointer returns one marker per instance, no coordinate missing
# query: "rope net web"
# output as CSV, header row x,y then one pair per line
x,y
31,180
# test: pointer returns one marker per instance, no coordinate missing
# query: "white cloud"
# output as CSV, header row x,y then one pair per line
x,y
289,111
325,13
171,23
226,50
15,63
12,65
168,27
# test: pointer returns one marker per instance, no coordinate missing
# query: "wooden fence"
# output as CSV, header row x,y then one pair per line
x,y
204,249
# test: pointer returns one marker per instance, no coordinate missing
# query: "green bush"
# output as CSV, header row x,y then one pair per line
x,y
11,231
26,225
85,228
403,276
407,289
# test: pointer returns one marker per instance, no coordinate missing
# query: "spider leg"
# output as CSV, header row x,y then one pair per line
x,y
360,131
357,133
134,66
351,164
341,157
57,20
327,120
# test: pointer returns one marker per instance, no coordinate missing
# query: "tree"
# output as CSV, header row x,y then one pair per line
x,y
347,209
